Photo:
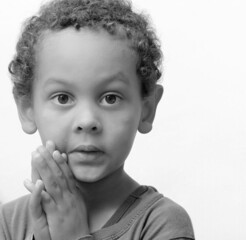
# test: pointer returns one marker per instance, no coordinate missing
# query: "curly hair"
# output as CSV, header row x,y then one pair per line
x,y
110,15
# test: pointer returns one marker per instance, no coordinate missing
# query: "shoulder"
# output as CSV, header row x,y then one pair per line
x,y
15,209
14,217
167,217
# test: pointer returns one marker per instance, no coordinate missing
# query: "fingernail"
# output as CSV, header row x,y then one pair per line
x,y
27,181
38,183
56,154
64,155
48,143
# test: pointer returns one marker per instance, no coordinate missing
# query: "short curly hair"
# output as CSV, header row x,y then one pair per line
x,y
110,15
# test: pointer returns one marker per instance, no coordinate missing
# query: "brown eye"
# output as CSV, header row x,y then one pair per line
x,y
111,99
63,98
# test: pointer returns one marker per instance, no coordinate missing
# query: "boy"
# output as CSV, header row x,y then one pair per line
x,y
85,76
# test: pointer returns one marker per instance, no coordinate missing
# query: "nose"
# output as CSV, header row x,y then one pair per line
x,y
87,121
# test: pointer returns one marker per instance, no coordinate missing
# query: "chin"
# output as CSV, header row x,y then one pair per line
x,y
88,176
88,179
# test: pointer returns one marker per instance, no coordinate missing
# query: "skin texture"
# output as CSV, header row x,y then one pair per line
x,y
86,103
87,71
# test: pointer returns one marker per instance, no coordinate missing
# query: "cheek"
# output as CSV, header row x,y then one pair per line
x,y
123,130
50,128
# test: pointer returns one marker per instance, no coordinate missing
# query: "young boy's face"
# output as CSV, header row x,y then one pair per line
x,y
86,98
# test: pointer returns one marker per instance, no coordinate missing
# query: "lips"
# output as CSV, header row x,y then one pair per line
x,y
86,154
87,149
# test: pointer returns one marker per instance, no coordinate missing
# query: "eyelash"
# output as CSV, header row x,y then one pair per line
x,y
117,98
55,98
68,98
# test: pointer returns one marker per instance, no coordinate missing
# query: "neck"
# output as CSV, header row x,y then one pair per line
x,y
112,189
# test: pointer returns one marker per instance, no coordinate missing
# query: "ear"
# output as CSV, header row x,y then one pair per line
x,y
26,116
149,109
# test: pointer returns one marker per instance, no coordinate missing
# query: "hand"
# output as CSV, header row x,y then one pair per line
x,y
38,196
61,201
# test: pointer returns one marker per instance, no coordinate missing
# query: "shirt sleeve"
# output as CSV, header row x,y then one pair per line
x,y
167,220
2,226
15,221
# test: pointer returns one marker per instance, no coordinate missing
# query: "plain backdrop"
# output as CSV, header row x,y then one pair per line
x,y
196,153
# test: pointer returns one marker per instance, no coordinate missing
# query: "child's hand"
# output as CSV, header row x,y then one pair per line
x,y
61,201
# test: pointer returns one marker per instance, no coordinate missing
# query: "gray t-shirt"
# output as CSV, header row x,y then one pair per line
x,y
146,215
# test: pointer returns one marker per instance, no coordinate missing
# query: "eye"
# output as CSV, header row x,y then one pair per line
x,y
111,99
62,99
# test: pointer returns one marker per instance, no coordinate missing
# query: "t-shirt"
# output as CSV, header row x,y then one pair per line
x,y
145,214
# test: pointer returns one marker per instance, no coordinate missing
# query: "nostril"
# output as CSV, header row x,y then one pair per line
x,y
80,128
94,129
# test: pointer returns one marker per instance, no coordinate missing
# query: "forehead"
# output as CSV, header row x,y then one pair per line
x,y
86,50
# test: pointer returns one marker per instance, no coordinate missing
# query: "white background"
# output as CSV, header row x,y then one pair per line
x,y
196,153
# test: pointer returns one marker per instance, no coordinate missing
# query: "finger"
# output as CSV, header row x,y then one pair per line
x,y
39,219
50,146
61,160
64,155
35,174
29,185
48,158
41,161
35,201
47,202
60,177
58,157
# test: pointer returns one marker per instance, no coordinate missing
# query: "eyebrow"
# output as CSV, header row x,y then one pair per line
x,y
105,80
120,76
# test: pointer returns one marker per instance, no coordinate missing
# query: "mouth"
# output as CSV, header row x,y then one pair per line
x,y
87,149
85,154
